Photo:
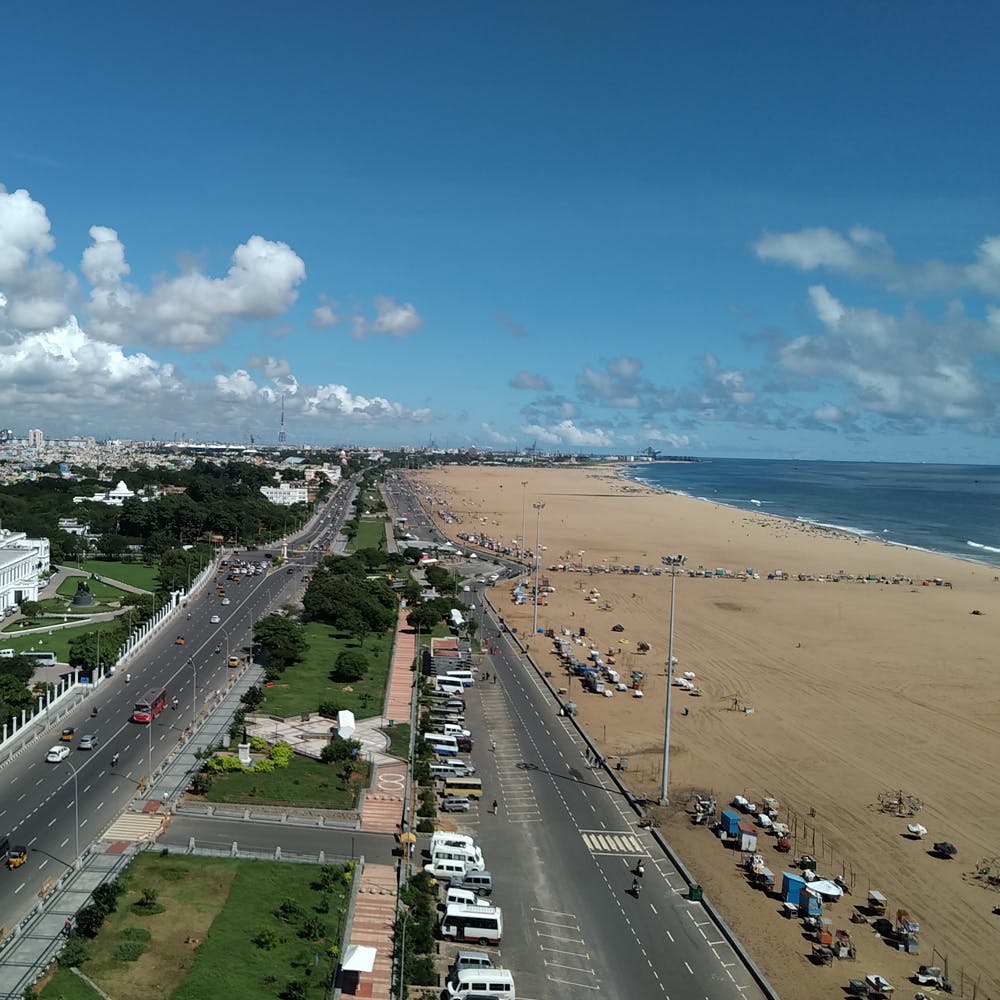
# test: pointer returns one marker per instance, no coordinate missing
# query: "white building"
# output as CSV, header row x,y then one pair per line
x,y
36,439
286,494
22,562
115,497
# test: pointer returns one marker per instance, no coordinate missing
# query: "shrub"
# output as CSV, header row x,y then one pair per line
x,y
338,750
281,753
266,938
420,971
425,826
295,990
312,929
130,951
329,876
258,744
263,766
329,710
351,665
105,897
200,784
146,905
136,934
75,953
289,911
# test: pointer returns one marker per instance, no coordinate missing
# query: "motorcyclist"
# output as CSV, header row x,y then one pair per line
x,y
128,677
640,868
635,886
114,760
175,702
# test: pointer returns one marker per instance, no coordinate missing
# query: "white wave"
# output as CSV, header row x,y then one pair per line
x,y
756,503
985,548
846,528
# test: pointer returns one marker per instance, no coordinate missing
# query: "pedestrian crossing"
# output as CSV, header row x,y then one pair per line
x,y
605,842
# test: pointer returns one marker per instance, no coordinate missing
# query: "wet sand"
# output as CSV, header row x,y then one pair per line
x,y
857,689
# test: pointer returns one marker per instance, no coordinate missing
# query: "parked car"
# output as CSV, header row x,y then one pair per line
x,y
456,803
57,754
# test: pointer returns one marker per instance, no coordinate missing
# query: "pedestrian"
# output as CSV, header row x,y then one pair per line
x,y
68,927
496,806
494,678
493,746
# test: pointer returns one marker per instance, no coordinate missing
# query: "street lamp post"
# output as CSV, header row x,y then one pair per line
x,y
524,499
539,507
76,809
194,696
149,757
226,634
673,562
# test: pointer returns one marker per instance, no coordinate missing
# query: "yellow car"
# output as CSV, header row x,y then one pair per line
x,y
234,661
179,641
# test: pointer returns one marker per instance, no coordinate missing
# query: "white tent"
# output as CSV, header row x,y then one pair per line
x,y
824,887
345,724
359,958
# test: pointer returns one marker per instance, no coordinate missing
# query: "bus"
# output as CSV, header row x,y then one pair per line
x,y
150,705
481,924
466,785
443,746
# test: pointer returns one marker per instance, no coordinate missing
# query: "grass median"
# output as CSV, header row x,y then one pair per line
x,y
228,928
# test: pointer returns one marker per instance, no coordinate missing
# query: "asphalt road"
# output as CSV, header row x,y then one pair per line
x,y
41,802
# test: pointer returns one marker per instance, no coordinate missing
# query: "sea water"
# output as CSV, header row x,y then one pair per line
x,y
953,509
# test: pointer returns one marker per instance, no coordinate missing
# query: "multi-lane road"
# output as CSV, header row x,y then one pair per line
x,y
57,809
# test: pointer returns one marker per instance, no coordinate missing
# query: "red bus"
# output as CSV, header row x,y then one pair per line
x,y
149,707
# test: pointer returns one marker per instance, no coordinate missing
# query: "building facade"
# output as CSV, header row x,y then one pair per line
x,y
23,560
286,494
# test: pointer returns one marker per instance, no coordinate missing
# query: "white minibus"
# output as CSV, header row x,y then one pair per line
x,y
483,924
443,746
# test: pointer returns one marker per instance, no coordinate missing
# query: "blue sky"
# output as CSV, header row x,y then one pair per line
x,y
766,231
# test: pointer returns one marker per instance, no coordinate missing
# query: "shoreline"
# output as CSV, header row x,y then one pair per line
x,y
853,690
868,534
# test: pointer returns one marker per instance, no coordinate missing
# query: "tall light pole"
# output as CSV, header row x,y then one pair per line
x,y
226,634
524,502
149,757
76,808
673,562
539,507
194,696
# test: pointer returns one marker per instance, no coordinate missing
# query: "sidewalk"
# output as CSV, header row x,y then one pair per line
x,y
372,926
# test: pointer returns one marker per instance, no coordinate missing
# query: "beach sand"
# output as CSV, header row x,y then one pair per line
x,y
857,690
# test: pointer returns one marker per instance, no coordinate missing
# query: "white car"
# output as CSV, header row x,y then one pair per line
x,y
57,754
214,620
225,602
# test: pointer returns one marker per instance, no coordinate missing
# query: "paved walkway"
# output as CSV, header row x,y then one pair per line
x,y
374,919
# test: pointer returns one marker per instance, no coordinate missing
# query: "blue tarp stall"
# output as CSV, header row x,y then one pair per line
x,y
730,822
791,887
810,905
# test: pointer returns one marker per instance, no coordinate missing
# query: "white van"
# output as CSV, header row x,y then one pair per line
x,y
471,857
483,924
6,654
464,677
444,838
447,870
449,686
443,746
454,729
443,771
463,897
469,983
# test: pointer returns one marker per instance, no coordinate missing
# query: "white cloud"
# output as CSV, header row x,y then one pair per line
x,y
566,432
396,319
275,368
37,289
618,385
528,380
809,249
191,311
828,413
323,316
494,436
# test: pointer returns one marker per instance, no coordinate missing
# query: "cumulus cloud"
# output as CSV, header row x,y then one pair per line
x,y
866,253
392,318
494,436
905,367
618,385
323,316
567,433
275,368
191,311
38,290
528,380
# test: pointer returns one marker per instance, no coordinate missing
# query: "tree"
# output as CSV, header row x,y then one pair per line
x,y
89,920
424,617
412,554
14,697
284,639
351,665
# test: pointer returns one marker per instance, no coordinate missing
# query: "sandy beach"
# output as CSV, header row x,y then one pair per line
x,y
857,689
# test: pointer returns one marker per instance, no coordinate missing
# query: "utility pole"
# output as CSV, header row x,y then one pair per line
x,y
673,562
539,507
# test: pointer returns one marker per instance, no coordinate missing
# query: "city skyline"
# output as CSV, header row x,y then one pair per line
x,y
586,230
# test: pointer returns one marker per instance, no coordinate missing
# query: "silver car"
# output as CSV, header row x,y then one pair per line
x,y
87,742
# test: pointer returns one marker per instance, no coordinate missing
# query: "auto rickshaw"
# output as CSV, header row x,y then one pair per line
x,y
67,734
13,857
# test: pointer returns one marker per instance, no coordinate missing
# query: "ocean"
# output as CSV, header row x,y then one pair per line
x,y
952,509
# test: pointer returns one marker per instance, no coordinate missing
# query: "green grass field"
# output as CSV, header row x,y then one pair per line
x,y
305,782
399,740
371,535
57,641
203,944
307,685
101,591
67,985
135,574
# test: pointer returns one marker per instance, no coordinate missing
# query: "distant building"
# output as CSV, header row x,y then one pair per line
x,y
285,494
115,497
22,562
36,439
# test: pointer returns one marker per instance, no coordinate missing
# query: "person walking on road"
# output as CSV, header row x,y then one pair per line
x,y
493,746
496,806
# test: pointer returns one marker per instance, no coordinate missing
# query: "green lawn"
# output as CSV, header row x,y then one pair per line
x,y
59,606
399,740
371,535
307,685
57,641
305,782
135,574
202,945
101,591
67,985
